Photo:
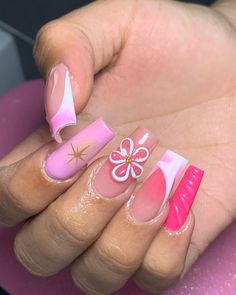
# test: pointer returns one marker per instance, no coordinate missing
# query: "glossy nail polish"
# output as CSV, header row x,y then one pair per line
x,y
183,198
125,164
152,195
73,155
59,101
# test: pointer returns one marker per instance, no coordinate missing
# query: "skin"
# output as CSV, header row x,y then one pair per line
x,y
180,63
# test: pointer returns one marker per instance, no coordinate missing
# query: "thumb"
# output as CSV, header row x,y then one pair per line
x,y
69,51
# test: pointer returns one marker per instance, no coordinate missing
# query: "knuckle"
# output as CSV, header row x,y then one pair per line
x,y
116,259
26,259
73,229
22,202
168,271
83,285
45,38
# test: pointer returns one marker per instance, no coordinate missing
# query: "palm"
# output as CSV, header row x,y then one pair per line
x,y
176,76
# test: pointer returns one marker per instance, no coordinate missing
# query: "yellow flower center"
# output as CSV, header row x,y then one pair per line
x,y
129,159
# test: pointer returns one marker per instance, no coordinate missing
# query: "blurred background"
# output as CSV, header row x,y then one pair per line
x,y
19,23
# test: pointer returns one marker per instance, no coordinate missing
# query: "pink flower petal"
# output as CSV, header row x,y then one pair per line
x,y
116,157
127,146
140,155
136,170
121,172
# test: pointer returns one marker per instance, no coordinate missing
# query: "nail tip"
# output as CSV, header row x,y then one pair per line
x,y
110,132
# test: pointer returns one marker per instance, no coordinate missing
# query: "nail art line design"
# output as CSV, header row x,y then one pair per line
x,y
183,198
171,166
127,160
77,154
152,195
59,101
73,155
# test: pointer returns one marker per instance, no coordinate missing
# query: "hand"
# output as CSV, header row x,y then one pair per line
x,y
170,67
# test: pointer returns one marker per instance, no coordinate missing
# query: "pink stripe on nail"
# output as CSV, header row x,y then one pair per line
x,y
183,198
73,155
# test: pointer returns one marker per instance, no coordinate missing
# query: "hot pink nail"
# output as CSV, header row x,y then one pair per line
x,y
70,157
125,165
154,192
59,101
183,198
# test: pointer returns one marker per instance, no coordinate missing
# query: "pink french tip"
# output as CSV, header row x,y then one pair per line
x,y
59,101
73,155
183,198
154,192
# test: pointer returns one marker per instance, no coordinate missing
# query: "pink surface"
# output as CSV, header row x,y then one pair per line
x,y
21,111
75,153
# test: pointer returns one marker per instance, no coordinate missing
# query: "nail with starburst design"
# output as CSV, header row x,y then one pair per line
x,y
73,155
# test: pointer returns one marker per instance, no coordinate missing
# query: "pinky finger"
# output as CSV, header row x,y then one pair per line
x,y
165,259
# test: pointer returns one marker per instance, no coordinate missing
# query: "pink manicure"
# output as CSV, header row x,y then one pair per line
x,y
153,194
73,155
59,101
125,165
183,198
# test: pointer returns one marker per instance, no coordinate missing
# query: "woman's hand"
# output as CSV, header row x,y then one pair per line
x,y
168,66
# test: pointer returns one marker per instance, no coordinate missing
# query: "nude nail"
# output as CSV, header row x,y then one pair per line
x,y
59,101
183,198
73,155
125,164
152,195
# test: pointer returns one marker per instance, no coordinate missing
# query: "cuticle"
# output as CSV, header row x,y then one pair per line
x,y
149,222
180,231
92,187
49,178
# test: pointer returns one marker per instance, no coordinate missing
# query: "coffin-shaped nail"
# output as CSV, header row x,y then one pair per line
x,y
125,164
183,198
149,199
73,155
59,101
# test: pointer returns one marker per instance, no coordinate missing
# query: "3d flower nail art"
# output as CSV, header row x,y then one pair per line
x,y
127,160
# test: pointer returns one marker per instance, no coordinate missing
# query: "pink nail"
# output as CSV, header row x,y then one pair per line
x,y
154,192
183,198
59,101
73,155
125,165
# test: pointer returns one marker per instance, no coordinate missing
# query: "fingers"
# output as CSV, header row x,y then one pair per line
x,y
53,239
71,49
117,254
28,186
164,261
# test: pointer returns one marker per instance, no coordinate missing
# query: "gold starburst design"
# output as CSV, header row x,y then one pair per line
x,y
77,154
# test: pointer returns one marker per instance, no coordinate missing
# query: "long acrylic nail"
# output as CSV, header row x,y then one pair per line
x,y
125,165
73,155
152,195
59,101
183,198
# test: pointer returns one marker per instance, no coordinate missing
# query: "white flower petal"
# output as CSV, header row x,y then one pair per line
x,y
133,172
118,177
114,161
126,152
144,158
